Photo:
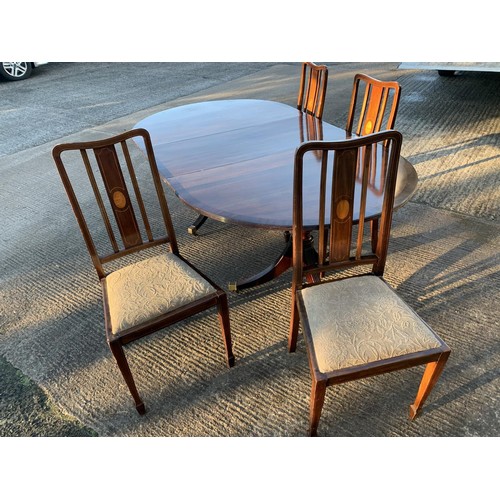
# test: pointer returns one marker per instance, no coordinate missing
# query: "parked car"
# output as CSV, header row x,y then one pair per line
x,y
14,71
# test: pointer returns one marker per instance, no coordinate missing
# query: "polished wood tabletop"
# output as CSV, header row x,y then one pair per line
x,y
232,160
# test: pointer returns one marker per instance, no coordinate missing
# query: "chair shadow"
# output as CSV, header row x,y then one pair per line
x,y
449,292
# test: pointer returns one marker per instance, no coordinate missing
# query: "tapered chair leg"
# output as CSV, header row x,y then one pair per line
x,y
431,375
223,313
121,360
318,391
374,234
294,327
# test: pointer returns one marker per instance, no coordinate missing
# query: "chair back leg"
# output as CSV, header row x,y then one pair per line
x,y
223,314
294,327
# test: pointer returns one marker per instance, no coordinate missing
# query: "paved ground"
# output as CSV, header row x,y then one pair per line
x,y
26,411
444,260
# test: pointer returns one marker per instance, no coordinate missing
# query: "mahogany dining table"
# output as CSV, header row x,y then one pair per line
x,y
233,160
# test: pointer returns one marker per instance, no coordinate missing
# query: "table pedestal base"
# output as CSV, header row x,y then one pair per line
x,y
281,264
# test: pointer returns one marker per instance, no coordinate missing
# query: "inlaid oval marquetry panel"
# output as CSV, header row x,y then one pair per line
x,y
119,200
342,209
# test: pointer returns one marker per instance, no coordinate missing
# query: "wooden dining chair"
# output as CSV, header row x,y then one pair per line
x,y
354,326
374,107
312,90
311,100
147,294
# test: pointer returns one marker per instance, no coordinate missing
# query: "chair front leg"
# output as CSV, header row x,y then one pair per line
x,y
318,391
431,375
121,360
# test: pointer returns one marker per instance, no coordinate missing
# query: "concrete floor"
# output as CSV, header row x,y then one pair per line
x,y
443,260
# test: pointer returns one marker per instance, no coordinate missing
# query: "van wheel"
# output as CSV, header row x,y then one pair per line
x,y
446,72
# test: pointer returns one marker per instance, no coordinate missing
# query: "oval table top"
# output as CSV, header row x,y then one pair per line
x,y
233,160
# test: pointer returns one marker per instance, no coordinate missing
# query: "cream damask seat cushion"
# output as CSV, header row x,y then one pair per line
x,y
360,320
149,288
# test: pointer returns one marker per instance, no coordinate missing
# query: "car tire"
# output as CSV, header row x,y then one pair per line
x,y
14,71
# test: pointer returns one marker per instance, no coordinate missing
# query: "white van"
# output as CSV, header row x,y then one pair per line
x,y
449,68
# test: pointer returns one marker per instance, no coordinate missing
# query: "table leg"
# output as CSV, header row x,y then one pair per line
x,y
281,264
193,228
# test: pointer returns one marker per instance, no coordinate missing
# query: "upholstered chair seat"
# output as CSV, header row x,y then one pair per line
x,y
360,320
147,289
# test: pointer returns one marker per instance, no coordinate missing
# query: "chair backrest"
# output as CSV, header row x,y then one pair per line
x,y
349,179
378,108
118,189
312,91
